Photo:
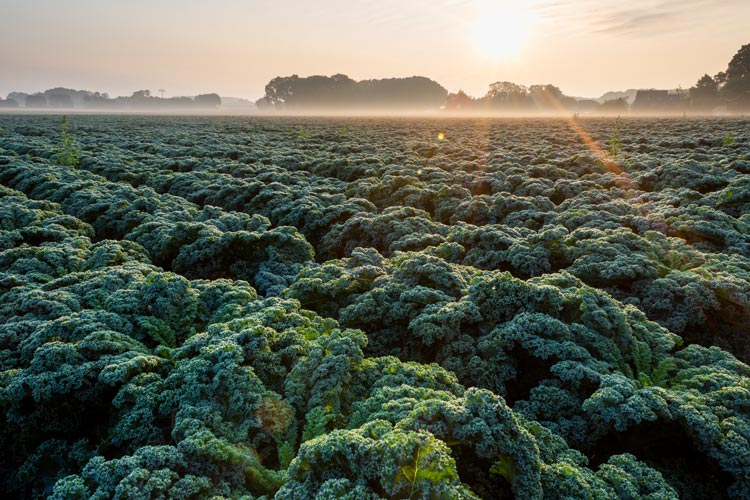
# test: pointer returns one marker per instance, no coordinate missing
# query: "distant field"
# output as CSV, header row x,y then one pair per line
x,y
302,308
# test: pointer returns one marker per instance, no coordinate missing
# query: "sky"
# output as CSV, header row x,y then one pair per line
x,y
234,47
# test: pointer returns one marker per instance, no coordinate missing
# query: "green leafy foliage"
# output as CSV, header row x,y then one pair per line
x,y
68,153
614,144
232,309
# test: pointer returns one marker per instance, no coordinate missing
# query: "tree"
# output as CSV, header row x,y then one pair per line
x,y
549,97
459,101
739,66
416,92
265,104
36,101
279,90
736,81
507,95
615,105
721,78
140,94
341,92
60,101
207,100
705,93
19,97
96,99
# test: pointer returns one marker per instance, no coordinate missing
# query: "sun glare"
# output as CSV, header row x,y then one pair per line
x,y
501,28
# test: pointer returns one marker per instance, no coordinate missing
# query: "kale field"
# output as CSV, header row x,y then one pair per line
x,y
301,308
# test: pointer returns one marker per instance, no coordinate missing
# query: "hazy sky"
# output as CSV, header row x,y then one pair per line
x,y
234,47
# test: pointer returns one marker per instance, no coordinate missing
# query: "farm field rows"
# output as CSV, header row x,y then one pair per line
x,y
309,308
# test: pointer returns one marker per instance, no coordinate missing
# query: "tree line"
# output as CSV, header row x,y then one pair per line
x,y
142,99
730,88
341,92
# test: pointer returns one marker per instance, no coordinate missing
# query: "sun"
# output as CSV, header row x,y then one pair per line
x,y
501,28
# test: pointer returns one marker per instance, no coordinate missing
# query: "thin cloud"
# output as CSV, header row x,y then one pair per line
x,y
640,18
636,22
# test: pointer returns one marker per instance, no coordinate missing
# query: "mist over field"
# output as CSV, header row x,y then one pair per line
x,y
726,93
